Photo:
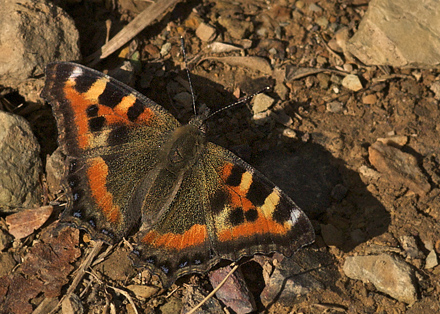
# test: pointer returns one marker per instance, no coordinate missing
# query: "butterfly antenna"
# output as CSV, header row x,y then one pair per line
x,y
182,43
240,101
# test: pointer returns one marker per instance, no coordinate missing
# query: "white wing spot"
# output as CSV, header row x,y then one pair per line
x,y
294,216
76,72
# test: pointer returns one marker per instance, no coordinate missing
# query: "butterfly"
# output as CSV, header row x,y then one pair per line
x,y
133,170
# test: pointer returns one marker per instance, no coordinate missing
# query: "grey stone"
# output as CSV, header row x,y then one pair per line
x,y
389,274
399,167
238,29
352,82
435,87
431,260
290,283
55,170
410,246
143,291
335,107
32,34
261,103
192,296
20,164
399,33
206,32
165,50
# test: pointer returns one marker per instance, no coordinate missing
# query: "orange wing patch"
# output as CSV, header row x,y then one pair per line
x,y
78,105
238,193
196,235
97,175
262,225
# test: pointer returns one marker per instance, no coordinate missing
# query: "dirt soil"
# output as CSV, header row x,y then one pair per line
x,y
318,155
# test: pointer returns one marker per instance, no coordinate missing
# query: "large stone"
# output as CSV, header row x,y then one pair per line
x,y
389,274
399,33
20,164
32,34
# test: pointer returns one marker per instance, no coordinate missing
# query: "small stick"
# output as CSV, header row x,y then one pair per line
x,y
145,18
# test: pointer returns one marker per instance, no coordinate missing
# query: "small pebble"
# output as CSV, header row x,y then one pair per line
x,y
261,103
335,106
369,99
315,8
206,32
352,82
322,21
431,260
165,50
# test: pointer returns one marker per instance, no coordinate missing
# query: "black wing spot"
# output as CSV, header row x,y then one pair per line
x,y
111,97
283,210
258,193
251,215
92,111
236,217
83,83
135,110
96,124
234,179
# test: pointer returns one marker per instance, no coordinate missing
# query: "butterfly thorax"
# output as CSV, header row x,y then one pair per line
x,y
182,150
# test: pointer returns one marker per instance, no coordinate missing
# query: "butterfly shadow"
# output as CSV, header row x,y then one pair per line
x,y
328,192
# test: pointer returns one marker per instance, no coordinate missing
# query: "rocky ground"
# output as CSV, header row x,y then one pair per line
x,y
349,130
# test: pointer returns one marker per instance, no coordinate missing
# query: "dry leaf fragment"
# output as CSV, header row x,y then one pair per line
x,y
44,271
25,222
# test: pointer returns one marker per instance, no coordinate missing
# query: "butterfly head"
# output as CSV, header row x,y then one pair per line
x,y
199,120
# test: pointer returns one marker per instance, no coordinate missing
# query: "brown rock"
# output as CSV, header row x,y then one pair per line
x,y
206,32
234,293
398,166
369,99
